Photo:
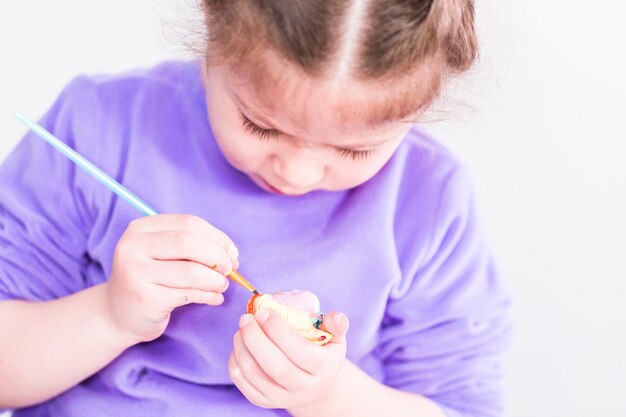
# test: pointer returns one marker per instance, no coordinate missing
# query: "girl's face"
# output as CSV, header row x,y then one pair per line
x,y
312,137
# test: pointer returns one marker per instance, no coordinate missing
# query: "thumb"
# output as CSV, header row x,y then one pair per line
x,y
336,324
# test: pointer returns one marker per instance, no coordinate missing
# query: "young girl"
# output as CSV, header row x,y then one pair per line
x,y
290,149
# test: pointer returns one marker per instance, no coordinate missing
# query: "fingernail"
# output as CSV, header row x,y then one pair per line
x,y
337,319
233,252
226,284
262,315
245,319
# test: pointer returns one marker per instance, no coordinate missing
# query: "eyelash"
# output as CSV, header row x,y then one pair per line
x,y
267,134
263,134
355,155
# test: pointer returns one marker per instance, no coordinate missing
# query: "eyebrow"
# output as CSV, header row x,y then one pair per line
x,y
265,121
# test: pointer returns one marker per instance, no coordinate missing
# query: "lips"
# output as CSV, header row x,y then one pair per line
x,y
276,190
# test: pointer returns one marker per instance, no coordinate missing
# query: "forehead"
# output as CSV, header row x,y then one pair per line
x,y
289,97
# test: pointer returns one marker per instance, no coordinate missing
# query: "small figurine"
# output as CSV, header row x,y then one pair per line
x,y
299,308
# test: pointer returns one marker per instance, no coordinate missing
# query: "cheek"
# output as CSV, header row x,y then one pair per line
x,y
242,151
238,151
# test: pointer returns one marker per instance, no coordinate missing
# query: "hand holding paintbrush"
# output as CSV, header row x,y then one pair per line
x,y
161,262
110,183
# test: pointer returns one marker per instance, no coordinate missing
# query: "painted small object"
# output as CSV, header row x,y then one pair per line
x,y
299,308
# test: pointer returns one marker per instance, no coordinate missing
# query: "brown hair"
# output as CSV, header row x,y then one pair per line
x,y
394,38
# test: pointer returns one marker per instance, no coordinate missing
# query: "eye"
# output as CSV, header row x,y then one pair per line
x,y
355,155
267,134
263,134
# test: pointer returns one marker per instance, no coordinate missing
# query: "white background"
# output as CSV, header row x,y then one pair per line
x,y
541,121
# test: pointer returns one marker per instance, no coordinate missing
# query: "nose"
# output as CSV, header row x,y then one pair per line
x,y
300,169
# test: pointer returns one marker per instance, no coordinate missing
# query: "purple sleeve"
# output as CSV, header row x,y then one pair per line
x,y
447,323
43,220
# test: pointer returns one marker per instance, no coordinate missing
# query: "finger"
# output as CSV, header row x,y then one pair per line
x,y
188,246
269,357
170,298
292,344
253,372
182,222
336,324
247,389
186,274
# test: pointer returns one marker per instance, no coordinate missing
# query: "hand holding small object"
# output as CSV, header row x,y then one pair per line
x,y
276,367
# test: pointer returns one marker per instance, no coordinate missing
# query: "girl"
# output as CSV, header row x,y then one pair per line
x,y
291,148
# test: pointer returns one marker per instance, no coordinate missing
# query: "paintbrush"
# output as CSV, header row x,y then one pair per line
x,y
109,182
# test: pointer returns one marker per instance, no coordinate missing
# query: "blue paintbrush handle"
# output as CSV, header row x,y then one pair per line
x,y
80,160
109,182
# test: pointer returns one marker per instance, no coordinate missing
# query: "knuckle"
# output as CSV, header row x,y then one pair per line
x,y
220,236
123,246
134,225
233,369
225,263
247,365
188,221
220,283
193,272
248,338
301,384
215,281
224,239
301,356
281,373
262,404
180,239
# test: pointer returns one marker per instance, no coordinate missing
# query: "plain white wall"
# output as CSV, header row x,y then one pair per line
x,y
544,134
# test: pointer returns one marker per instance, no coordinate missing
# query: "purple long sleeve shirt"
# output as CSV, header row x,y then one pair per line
x,y
403,254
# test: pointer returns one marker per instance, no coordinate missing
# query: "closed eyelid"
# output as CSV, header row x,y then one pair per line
x,y
245,111
268,132
253,123
249,121
265,133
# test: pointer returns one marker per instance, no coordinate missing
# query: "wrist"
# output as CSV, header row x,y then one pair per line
x,y
330,402
376,399
110,326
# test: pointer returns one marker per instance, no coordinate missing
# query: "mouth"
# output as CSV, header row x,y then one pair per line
x,y
275,190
